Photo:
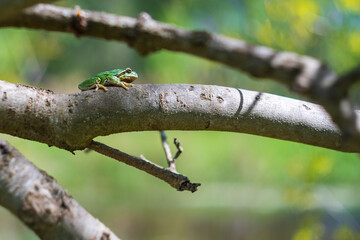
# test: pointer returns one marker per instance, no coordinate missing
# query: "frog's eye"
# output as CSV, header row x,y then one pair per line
x,y
128,70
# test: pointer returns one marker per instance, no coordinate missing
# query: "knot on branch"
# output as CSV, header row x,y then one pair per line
x,y
306,74
79,22
200,38
142,37
4,150
324,86
5,154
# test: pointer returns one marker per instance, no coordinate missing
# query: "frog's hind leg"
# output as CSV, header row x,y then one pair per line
x,y
98,85
120,84
112,80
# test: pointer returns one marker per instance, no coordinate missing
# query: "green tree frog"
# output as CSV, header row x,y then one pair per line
x,y
116,77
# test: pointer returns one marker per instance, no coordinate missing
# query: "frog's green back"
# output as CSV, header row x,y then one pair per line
x,y
111,72
117,77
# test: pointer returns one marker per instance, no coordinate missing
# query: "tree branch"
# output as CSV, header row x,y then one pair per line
x,y
303,74
147,35
71,121
41,203
176,180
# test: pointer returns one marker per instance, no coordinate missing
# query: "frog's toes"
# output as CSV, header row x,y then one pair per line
x,y
100,86
103,87
121,84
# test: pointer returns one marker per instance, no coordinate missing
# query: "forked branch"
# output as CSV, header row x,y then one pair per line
x,y
170,160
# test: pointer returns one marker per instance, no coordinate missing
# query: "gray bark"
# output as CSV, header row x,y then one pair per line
x,y
41,203
303,74
71,121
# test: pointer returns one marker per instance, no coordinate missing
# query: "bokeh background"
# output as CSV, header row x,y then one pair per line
x,y
252,187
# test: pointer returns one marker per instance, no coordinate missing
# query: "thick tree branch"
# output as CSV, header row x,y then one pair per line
x,y
71,121
174,179
303,74
41,203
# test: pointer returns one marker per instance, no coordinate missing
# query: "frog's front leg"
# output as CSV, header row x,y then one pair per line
x,y
99,85
115,81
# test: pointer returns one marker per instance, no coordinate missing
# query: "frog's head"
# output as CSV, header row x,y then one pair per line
x,y
128,75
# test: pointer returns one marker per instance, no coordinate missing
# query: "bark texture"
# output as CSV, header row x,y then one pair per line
x,y
71,121
41,203
304,74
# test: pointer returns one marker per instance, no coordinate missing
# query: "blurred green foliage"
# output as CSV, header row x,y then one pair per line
x,y
253,187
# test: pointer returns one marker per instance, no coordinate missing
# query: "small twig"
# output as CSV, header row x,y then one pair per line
x,y
166,148
170,160
176,180
179,148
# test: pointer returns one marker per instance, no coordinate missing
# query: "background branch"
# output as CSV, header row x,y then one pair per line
x,y
71,121
41,203
147,35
